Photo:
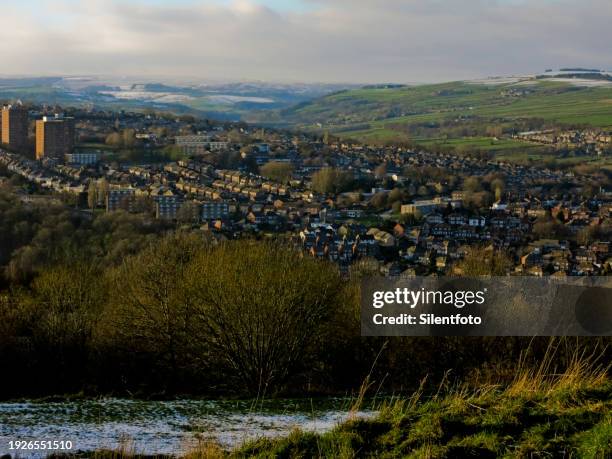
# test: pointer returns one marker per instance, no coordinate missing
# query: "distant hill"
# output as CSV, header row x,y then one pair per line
x,y
579,69
224,101
396,113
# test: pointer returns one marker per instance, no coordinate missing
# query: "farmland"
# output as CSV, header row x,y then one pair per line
x,y
459,114
552,101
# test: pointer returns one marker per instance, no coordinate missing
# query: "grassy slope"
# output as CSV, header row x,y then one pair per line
x,y
508,427
565,419
46,94
543,412
490,424
550,100
538,415
375,113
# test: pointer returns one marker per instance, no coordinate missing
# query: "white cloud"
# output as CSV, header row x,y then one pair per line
x,y
335,40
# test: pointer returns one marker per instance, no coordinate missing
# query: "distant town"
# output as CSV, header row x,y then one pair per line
x,y
394,210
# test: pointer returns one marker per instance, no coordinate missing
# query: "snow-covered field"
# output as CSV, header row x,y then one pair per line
x,y
161,427
163,97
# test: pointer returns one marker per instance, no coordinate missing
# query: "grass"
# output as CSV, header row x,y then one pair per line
x,y
508,147
488,143
551,101
495,423
541,412
380,115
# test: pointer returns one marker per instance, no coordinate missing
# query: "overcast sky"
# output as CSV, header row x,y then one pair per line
x,y
304,40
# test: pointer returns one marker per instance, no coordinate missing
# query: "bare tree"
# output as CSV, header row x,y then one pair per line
x,y
260,307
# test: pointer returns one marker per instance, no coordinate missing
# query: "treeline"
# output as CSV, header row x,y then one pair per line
x,y
117,304
39,234
470,126
181,316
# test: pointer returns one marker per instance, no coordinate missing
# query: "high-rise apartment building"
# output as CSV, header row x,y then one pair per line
x,y
15,126
54,137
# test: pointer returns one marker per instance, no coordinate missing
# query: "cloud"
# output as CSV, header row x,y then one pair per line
x,y
331,40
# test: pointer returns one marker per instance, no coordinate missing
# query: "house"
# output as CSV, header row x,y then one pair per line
x,y
441,262
477,221
384,239
531,259
422,207
434,218
457,219
399,230
268,218
352,213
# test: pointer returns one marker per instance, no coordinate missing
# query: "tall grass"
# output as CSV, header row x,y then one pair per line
x,y
582,370
366,385
556,407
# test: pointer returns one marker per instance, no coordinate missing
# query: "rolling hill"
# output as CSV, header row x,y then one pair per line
x,y
458,110
222,101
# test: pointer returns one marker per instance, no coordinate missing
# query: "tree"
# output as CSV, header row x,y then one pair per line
x,y
228,160
472,184
277,171
331,180
380,171
173,152
249,162
113,139
547,226
188,213
143,205
483,262
259,307
235,136
66,304
92,195
379,201
160,131
479,199
102,190
494,131
593,233
498,187
123,139
128,138
396,195
148,308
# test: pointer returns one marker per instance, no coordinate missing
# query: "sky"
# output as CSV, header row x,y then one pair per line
x,y
343,41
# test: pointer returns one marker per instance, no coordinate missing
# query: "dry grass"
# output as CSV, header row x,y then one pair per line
x,y
206,450
583,370
552,409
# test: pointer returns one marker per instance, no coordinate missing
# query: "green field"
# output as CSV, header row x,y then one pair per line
x,y
487,143
387,115
559,102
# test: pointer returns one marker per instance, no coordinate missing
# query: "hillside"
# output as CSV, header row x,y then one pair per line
x,y
222,101
457,110
545,411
